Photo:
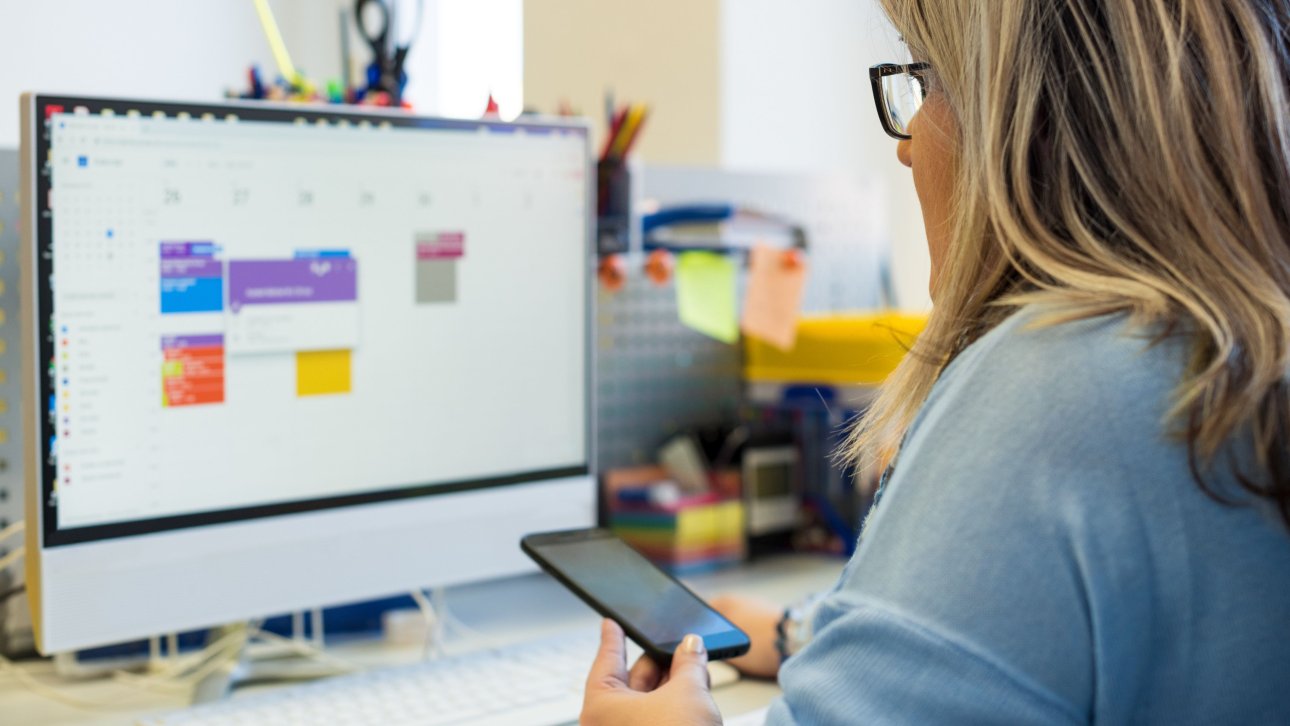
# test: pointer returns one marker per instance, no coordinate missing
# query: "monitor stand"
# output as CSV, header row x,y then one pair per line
x,y
295,658
301,657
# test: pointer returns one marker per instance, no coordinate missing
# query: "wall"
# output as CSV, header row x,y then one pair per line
x,y
195,49
190,50
795,96
661,51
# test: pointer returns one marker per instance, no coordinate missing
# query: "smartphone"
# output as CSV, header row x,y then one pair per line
x,y
618,582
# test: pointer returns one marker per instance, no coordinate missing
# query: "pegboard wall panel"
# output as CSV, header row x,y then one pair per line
x,y
656,377
15,625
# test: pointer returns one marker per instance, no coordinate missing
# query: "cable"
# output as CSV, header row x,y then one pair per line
x,y
12,557
30,683
304,648
432,645
182,675
11,530
450,620
175,677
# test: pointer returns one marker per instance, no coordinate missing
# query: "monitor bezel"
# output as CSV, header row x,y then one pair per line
x,y
40,317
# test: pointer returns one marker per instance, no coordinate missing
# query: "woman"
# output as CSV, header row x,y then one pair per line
x,y
1088,515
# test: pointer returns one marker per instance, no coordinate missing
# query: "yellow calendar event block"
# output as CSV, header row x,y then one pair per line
x,y
321,372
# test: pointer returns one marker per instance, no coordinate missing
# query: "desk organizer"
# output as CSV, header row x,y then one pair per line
x,y
693,534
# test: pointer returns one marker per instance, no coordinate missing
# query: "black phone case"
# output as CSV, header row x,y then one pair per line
x,y
660,655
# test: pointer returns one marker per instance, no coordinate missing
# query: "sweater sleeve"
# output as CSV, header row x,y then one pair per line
x,y
872,665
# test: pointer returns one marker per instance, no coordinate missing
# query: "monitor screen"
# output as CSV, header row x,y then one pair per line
x,y
252,311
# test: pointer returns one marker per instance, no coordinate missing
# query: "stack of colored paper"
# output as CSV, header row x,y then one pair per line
x,y
690,534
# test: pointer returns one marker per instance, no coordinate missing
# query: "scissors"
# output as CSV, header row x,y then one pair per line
x,y
385,73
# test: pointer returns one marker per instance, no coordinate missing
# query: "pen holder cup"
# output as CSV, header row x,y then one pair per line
x,y
613,207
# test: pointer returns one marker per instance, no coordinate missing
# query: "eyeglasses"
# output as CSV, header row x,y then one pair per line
x,y
898,92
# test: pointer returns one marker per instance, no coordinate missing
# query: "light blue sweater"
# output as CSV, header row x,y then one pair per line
x,y
1042,555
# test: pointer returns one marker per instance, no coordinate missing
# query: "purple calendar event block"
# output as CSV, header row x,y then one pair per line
x,y
188,249
172,342
268,282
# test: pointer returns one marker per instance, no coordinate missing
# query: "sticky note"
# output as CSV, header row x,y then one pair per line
x,y
705,294
774,296
320,372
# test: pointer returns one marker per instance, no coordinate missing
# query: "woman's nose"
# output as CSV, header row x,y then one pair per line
x,y
903,152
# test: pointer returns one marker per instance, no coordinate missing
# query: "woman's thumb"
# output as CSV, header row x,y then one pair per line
x,y
690,662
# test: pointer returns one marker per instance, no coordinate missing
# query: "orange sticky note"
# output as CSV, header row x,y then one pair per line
x,y
774,296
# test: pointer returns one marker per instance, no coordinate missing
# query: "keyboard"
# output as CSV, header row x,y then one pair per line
x,y
534,683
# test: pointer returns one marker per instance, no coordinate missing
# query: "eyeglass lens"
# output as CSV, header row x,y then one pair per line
x,y
903,94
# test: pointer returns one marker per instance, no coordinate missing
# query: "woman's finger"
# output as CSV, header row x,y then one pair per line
x,y
609,670
690,663
644,675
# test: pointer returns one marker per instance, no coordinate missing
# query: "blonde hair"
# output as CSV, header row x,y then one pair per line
x,y
1118,156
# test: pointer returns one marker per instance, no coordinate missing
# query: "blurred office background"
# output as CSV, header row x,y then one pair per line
x,y
761,85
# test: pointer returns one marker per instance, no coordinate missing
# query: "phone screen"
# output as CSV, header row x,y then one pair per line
x,y
627,583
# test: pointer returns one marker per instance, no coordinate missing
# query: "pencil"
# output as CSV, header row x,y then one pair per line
x,y
626,131
274,36
636,133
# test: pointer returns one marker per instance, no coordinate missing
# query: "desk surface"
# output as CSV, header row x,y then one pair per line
x,y
503,611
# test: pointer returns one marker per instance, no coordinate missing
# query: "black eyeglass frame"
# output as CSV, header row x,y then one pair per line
x,y
881,71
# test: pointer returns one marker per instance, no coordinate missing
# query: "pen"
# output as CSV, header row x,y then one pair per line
x,y
614,128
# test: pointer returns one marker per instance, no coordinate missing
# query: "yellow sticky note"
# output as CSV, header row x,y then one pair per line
x,y
705,294
320,372
774,296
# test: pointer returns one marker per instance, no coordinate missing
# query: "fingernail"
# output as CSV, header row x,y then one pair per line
x,y
692,644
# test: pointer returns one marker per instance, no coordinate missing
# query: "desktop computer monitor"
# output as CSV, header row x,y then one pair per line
x,y
283,357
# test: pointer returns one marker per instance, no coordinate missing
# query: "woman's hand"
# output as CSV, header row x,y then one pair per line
x,y
758,619
648,696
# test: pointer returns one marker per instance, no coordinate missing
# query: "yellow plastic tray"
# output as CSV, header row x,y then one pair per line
x,y
841,349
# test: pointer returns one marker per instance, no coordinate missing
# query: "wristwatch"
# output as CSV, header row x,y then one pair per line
x,y
793,631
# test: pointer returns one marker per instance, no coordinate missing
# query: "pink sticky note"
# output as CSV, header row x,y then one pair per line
x,y
774,296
